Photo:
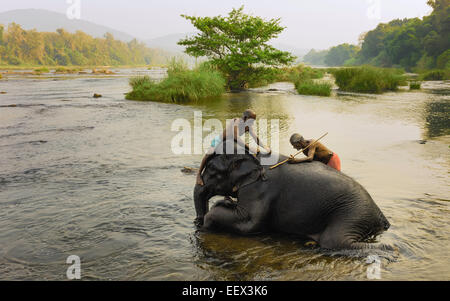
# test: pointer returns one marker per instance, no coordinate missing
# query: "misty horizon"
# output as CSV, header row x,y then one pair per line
x,y
303,29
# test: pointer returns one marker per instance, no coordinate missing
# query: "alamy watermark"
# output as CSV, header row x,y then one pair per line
x,y
374,9
74,270
190,139
74,9
374,269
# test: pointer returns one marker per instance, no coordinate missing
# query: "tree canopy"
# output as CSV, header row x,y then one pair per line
x,y
341,54
30,47
315,57
408,43
237,45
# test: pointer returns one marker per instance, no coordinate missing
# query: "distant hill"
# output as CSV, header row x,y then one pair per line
x,y
298,52
168,42
48,21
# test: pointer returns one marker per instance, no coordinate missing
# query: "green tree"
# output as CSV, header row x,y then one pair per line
x,y
338,55
238,45
410,42
1,34
31,47
314,57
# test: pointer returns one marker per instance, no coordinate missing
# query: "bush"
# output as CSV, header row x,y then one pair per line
x,y
41,70
177,65
311,88
415,85
260,77
299,73
302,76
367,79
14,61
443,61
436,75
181,85
67,70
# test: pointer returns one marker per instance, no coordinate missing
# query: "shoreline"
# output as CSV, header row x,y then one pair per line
x,y
33,67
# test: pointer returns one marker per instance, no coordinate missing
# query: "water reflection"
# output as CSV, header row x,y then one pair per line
x,y
277,257
437,118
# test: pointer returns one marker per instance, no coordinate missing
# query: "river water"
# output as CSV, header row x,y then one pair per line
x,y
97,178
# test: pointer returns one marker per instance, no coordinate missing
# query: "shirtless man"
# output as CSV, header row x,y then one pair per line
x,y
235,129
316,152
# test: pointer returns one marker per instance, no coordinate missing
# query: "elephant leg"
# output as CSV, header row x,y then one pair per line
x,y
227,202
235,219
370,246
336,236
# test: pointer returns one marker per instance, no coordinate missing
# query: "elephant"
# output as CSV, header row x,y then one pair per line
x,y
310,200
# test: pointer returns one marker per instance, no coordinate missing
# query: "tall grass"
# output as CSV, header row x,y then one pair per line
x,y
300,73
262,76
181,84
368,79
415,85
303,78
309,87
436,75
41,70
68,69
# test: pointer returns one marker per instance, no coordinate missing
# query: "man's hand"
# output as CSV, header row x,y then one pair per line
x,y
269,151
292,160
200,180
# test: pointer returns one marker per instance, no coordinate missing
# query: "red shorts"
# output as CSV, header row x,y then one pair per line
x,y
335,162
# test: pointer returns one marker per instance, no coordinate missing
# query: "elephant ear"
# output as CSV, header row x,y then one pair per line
x,y
245,172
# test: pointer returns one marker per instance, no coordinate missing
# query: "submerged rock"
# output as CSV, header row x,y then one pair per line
x,y
102,71
188,170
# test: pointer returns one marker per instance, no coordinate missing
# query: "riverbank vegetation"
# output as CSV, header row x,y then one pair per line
x,y
368,79
415,85
436,75
19,47
305,80
181,84
414,44
239,57
310,87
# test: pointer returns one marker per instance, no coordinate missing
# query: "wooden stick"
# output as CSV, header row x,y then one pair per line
x,y
300,151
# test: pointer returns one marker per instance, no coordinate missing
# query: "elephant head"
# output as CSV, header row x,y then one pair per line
x,y
225,174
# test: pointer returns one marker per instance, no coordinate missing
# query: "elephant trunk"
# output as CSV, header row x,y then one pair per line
x,y
201,203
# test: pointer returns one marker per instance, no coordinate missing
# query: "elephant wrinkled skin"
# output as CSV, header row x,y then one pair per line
x,y
309,199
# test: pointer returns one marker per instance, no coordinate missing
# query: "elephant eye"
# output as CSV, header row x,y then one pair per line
x,y
236,164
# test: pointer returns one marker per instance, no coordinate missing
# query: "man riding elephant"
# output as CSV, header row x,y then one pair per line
x,y
311,200
234,130
315,151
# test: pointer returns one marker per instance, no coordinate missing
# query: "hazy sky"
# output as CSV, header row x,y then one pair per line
x,y
310,23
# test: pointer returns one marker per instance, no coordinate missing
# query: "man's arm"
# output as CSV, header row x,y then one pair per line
x,y
200,170
258,141
309,158
238,139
